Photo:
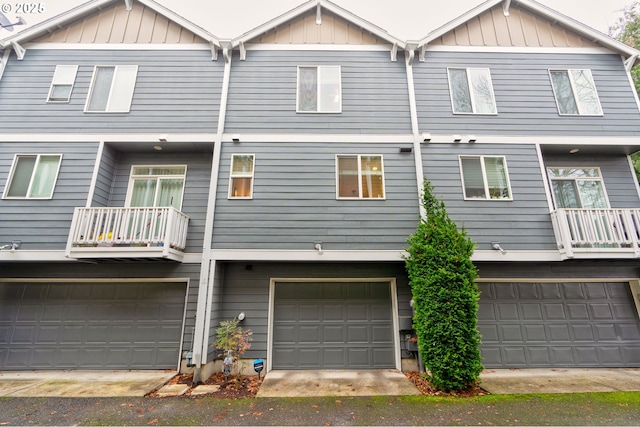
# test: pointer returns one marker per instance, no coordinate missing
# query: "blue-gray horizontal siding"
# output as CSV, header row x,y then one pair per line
x,y
44,224
617,176
294,200
262,93
524,95
246,290
78,271
523,223
104,180
196,189
175,91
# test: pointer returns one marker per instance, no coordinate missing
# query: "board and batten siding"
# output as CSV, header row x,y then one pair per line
x,y
175,91
44,224
262,93
617,176
127,272
524,96
523,223
196,189
246,289
294,200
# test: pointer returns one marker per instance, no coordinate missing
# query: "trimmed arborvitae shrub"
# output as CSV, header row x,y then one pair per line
x,y
445,297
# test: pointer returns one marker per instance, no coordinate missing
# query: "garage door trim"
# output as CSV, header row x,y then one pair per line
x,y
385,280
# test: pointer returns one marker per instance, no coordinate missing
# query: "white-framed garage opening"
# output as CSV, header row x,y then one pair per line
x,y
92,323
331,311
557,322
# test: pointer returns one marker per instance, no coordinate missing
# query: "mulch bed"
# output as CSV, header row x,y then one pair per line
x,y
247,386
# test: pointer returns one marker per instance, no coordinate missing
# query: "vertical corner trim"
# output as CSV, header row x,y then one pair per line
x,y
128,4
505,7
318,14
214,50
3,61
394,52
243,51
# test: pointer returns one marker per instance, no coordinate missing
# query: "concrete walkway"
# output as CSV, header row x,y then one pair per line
x,y
81,383
575,380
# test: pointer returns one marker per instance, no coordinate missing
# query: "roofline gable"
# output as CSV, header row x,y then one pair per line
x,y
90,7
315,4
541,10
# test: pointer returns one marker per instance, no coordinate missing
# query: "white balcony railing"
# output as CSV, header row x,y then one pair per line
x,y
127,232
597,232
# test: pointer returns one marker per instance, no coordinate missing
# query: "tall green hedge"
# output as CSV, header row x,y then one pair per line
x,y
445,295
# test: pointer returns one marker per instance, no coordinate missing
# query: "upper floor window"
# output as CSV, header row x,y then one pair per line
x,y
485,177
156,186
241,180
575,92
578,188
360,177
63,79
471,91
33,176
112,89
319,90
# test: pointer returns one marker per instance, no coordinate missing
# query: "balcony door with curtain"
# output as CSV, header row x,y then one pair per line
x,y
153,187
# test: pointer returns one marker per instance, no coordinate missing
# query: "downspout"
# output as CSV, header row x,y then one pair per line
x,y
417,149
205,290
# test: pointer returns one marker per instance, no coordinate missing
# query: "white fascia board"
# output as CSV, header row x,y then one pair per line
x,y
90,7
320,47
516,256
309,6
111,46
541,139
22,255
304,255
318,138
519,49
96,137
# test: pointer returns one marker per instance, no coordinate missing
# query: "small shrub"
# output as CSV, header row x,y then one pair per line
x,y
442,279
230,336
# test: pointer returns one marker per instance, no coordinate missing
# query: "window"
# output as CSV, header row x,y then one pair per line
x,y
485,178
360,177
156,186
471,91
578,188
33,176
241,180
62,83
575,92
319,90
112,89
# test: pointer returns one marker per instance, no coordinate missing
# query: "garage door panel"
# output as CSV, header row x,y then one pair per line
x,y
350,324
631,354
508,311
583,324
76,326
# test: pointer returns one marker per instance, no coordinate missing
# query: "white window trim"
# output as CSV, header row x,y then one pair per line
x,y
57,80
318,68
132,177
485,181
359,157
600,178
13,169
573,91
471,94
241,175
115,74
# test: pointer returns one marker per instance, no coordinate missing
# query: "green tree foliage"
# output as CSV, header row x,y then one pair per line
x,y
231,336
627,30
442,279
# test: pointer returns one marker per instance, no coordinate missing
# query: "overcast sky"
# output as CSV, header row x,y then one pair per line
x,y
405,19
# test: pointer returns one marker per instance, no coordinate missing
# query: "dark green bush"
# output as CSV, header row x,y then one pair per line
x,y
442,279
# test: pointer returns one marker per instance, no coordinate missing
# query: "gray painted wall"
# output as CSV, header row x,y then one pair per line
x,y
47,224
524,96
262,93
176,91
523,223
294,200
